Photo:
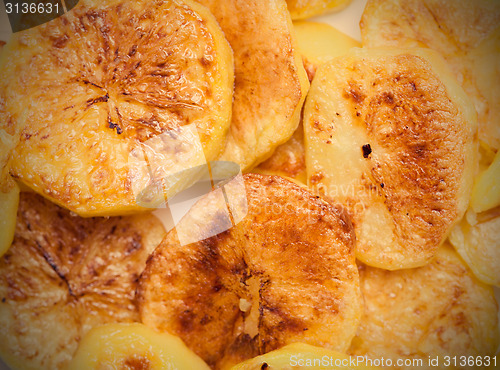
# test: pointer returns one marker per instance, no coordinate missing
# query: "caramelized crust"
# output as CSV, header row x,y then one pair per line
x,y
286,273
89,88
64,275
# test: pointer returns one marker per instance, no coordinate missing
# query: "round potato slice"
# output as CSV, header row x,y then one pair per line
x,y
459,30
64,275
392,136
95,85
133,346
300,9
285,273
270,80
433,311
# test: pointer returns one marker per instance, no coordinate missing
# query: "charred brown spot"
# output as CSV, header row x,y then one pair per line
x,y
264,366
316,178
367,150
137,363
101,99
132,51
60,42
354,92
206,61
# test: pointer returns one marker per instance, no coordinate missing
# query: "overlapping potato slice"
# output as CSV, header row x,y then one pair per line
x,y
9,201
285,273
454,28
64,275
319,43
436,310
270,80
391,135
288,159
92,86
300,356
476,239
300,9
133,346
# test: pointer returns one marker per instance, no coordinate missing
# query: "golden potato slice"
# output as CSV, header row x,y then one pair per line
x,y
270,80
319,43
391,135
436,310
93,86
133,346
64,275
486,191
476,239
288,159
285,273
300,356
453,28
300,9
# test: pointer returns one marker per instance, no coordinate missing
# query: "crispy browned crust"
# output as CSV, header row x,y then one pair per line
x,y
436,310
91,86
415,147
454,28
292,258
64,275
270,80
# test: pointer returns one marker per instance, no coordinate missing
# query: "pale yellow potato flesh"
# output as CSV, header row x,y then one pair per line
x,y
319,43
133,346
90,88
486,191
462,31
300,9
63,275
270,80
391,135
301,356
9,202
477,239
437,310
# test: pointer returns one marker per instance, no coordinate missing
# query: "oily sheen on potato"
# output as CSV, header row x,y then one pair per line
x,y
286,273
99,83
392,136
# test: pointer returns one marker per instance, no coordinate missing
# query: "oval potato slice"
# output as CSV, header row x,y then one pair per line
x,y
92,86
64,275
392,136
285,273
270,80
436,310
459,30
300,9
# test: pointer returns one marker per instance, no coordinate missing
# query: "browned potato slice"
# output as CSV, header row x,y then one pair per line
x,y
288,160
391,135
95,85
300,9
64,275
453,28
286,273
436,310
270,80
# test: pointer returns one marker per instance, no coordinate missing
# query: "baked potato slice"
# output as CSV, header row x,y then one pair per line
x,y
64,275
270,80
286,273
391,135
90,88
437,310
